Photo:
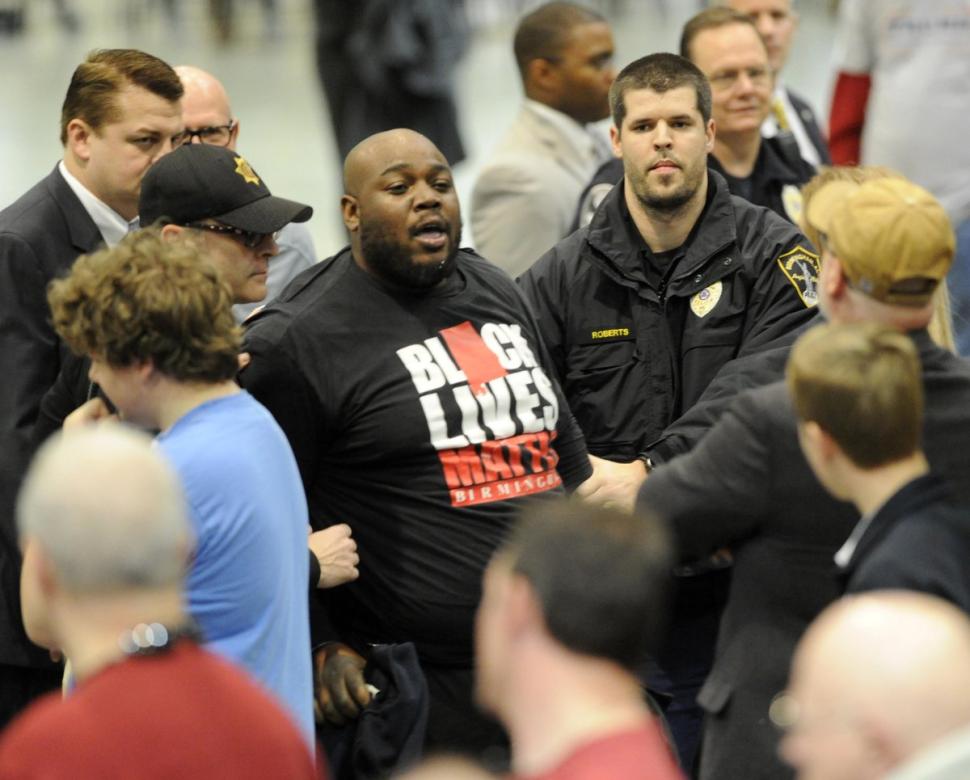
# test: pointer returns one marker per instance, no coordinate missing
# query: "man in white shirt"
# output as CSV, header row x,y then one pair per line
x,y
120,114
525,199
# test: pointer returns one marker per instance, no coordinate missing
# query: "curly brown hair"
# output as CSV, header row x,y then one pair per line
x,y
149,298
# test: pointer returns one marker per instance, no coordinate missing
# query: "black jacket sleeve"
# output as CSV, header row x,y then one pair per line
x,y
780,310
714,495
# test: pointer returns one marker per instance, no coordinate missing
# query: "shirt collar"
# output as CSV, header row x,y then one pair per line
x,y
581,137
110,223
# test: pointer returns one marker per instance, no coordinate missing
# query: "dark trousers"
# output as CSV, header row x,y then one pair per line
x,y
684,662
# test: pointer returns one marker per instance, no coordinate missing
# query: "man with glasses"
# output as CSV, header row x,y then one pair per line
x,y
120,114
205,192
208,120
726,46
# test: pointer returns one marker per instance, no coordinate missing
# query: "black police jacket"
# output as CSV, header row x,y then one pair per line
x,y
632,356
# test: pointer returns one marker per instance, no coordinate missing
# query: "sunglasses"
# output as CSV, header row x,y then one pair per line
x,y
248,238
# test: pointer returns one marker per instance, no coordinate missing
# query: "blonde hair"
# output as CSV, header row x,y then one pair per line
x,y
862,384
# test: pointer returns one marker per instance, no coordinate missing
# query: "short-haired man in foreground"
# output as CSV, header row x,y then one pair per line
x,y
412,383
208,119
887,244
107,542
846,383
571,605
155,319
880,689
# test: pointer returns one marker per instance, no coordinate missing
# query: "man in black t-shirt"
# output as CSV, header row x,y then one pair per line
x,y
411,381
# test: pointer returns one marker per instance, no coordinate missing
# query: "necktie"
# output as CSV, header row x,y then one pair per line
x,y
778,109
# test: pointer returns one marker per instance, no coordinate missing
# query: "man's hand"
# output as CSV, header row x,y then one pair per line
x,y
336,551
92,411
341,691
613,484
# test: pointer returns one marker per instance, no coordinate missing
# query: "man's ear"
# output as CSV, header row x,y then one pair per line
x,y
820,441
616,141
523,611
711,132
78,142
234,135
170,232
542,74
350,210
146,371
831,276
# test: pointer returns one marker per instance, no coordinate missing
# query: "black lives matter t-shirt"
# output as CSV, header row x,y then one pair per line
x,y
423,421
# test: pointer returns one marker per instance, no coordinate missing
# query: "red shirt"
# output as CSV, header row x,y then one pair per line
x,y
179,714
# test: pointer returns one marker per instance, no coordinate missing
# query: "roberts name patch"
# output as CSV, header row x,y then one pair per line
x,y
611,334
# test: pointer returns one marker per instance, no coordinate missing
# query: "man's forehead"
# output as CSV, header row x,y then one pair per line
x,y
414,166
760,6
136,105
726,42
646,103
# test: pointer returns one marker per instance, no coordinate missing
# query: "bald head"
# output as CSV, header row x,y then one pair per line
x,y
379,151
894,665
401,209
205,103
107,510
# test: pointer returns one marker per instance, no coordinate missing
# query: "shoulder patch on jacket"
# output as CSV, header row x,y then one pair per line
x,y
801,267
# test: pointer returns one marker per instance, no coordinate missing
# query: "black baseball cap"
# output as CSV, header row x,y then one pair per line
x,y
198,181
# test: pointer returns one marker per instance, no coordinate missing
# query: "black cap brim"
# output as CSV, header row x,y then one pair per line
x,y
266,215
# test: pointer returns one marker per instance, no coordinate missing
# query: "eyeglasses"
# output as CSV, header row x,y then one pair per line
x,y
247,238
728,78
220,135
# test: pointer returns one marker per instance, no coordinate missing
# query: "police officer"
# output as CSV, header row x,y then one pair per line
x,y
660,304
726,46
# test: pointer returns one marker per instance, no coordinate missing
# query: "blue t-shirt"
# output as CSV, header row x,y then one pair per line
x,y
247,587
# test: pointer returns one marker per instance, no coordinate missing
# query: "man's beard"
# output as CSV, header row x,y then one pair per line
x,y
392,261
654,200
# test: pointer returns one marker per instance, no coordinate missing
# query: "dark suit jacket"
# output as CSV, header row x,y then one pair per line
x,y
41,234
746,485
807,115
919,540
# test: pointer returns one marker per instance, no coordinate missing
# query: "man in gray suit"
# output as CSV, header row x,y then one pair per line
x,y
525,198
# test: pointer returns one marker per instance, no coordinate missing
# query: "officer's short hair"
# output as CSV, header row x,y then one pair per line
x,y
660,73
93,91
542,34
862,384
712,19
600,575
